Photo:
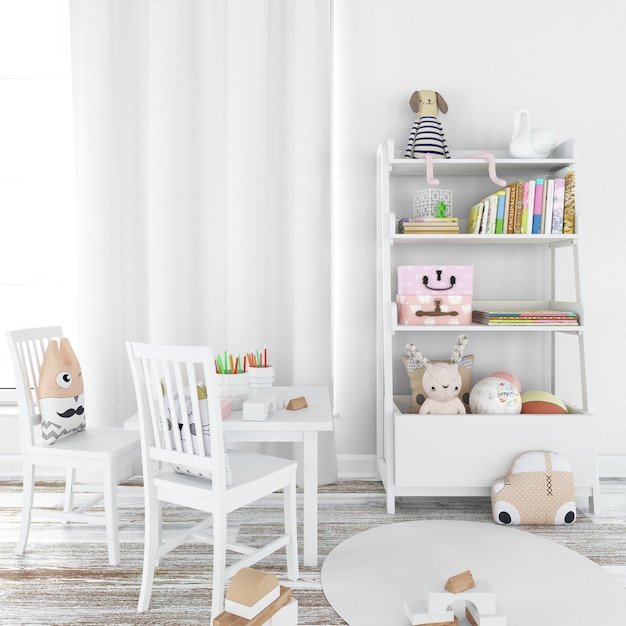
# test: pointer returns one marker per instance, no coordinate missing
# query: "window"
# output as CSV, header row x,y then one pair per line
x,y
38,229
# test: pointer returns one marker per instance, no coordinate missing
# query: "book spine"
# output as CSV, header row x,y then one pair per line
x,y
538,208
474,220
531,208
510,222
559,205
547,220
484,217
519,208
499,229
491,216
569,210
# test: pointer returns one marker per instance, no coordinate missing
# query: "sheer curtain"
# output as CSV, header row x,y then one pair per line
x,y
203,165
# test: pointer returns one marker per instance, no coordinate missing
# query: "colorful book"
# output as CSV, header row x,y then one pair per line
x,y
515,197
519,207
508,209
525,317
558,207
499,228
546,221
485,217
569,210
538,207
473,222
492,211
530,210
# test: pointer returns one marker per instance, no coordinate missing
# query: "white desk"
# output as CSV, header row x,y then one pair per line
x,y
301,426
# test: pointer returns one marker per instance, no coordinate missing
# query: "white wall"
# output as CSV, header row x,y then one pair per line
x,y
560,60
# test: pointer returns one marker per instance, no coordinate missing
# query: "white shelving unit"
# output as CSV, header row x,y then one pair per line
x,y
425,455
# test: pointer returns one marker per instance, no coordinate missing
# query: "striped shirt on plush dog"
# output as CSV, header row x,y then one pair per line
x,y
427,133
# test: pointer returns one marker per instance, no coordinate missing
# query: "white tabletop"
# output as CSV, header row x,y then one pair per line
x,y
317,416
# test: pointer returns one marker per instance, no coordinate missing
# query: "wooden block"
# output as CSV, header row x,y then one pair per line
x,y
454,622
297,403
475,618
481,596
460,582
228,619
419,615
470,617
287,616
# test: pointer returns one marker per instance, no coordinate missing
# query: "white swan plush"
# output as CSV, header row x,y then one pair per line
x,y
527,143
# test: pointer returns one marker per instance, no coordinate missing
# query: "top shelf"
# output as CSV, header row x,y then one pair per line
x,y
465,163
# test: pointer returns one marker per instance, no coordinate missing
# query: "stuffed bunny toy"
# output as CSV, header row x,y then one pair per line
x,y
441,381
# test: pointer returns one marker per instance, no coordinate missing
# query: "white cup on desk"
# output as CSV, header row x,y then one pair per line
x,y
234,387
260,378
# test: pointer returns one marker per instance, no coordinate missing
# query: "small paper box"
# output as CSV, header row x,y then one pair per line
x,y
425,202
436,280
226,407
436,311
437,295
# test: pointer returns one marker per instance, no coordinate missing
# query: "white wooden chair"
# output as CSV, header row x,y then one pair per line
x,y
165,377
93,450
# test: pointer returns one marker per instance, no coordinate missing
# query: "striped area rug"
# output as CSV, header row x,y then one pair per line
x,y
64,577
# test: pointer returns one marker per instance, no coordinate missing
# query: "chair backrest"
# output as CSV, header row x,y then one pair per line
x,y
27,347
179,409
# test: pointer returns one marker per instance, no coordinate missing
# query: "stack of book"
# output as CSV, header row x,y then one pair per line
x,y
525,317
428,225
545,206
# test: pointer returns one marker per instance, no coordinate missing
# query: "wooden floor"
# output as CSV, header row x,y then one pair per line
x,y
64,577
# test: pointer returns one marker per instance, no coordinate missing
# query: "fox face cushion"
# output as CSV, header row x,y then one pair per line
x,y
61,393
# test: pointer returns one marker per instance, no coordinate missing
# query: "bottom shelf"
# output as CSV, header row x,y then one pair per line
x,y
464,454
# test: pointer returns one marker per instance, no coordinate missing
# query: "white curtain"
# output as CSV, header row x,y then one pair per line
x,y
203,165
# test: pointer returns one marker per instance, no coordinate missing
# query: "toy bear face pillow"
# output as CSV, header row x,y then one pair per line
x,y
61,393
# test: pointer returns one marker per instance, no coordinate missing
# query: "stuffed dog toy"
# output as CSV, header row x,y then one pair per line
x,y
427,133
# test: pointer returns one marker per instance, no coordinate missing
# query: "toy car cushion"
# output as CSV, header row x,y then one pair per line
x,y
539,489
416,374
61,393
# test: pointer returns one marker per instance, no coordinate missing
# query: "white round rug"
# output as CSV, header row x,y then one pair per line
x,y
538,582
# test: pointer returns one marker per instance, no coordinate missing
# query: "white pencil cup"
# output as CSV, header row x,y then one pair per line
x,y
261,378
234,387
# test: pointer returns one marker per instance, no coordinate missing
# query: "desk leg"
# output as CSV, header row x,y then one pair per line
x,y
310,513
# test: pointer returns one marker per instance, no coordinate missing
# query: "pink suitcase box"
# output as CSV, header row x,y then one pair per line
x,y
438,295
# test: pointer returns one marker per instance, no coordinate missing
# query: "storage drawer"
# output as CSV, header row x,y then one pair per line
x,y
435,311
435,280
469,451
436,295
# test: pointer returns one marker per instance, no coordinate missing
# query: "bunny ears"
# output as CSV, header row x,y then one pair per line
x,y
418,360
459,346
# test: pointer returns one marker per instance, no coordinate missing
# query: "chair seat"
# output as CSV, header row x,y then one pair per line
x,y
91,443
248,469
